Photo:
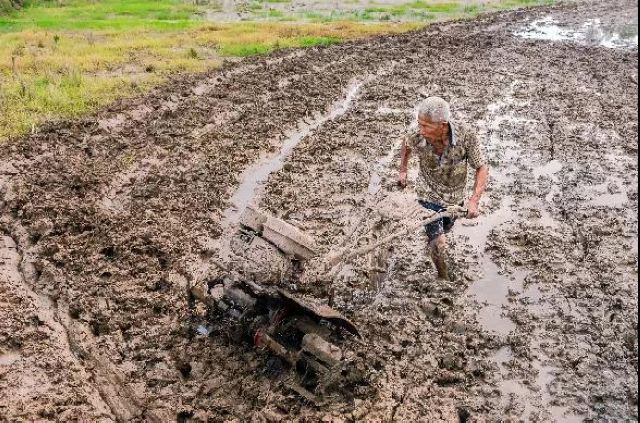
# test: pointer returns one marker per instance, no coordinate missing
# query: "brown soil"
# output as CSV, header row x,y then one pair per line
x,y
106,221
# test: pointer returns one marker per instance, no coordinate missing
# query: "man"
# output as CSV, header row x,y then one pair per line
x,y
445,150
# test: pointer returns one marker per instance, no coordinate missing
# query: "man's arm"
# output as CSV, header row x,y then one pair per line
x,y
405,153
479,187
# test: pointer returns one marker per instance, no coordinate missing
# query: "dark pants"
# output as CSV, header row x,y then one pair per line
x,y
439,227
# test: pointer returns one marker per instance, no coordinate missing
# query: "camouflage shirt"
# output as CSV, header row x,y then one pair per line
x,y
443,179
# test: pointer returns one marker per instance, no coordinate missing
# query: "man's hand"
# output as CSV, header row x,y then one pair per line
x,y
474,208
482,178
402,180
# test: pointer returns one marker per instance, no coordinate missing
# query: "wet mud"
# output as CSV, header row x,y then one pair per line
x,y
106,222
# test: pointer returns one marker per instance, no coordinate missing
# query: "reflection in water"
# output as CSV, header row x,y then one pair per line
x,y
592,32
9,358
538,392
254,178
203,330
492,289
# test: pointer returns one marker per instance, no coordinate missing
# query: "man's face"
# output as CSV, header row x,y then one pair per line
x,y
431,130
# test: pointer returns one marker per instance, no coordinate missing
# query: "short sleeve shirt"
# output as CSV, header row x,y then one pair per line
x,y
443,179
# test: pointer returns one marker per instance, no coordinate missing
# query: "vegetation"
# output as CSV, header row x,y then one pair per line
x,y
7,6
63,58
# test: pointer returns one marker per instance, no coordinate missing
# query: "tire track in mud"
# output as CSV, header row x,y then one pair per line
x,y
109,381
107,393
253,179
93,149
122,183
19,274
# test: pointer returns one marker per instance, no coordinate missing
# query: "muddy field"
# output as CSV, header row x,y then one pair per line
x,y
106,222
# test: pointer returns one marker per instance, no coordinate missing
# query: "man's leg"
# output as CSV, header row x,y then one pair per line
x,y
437,241
436,232
439,256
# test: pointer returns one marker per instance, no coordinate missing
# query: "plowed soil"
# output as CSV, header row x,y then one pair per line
x,y
106,221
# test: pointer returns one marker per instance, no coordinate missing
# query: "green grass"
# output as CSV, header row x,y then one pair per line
x,y
431,10
65,58
253,49
105,14
445,7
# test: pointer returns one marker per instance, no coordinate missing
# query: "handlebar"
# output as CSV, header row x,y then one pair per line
x,y
344,256
456,212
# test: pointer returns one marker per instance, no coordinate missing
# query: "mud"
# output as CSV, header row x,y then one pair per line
x,y
106,222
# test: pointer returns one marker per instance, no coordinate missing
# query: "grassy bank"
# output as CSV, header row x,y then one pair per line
x,y
64,58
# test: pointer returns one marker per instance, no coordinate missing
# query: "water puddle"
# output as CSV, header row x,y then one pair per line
x,y
375,181
203,330
492,289
492,292
608,194
592,32
548,170
492,319
495,287
534,396
255,177
478,231
253,180
9,358
384,163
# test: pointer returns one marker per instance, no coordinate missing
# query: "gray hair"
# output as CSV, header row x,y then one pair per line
x,y
435,109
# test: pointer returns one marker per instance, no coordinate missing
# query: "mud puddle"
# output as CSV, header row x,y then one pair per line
x,y
8,358
608,194
254,178
499,288
491,290
592,33
534,399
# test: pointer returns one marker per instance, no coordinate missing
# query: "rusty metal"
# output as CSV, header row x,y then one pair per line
x,y
304,336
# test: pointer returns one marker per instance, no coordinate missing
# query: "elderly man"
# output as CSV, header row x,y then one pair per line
x,y
445,149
